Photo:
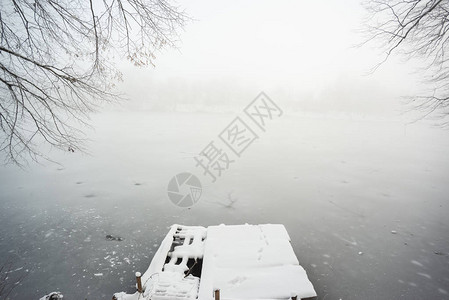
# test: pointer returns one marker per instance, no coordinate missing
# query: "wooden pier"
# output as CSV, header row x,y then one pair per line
x,y
223,262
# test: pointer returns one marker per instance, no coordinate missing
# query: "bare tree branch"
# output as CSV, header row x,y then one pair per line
x,y
419,29
55,64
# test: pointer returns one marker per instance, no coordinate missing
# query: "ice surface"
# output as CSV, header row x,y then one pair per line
x,y
339,183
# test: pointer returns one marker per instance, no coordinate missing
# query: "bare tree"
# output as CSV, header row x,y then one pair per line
x,y
416,29
56,64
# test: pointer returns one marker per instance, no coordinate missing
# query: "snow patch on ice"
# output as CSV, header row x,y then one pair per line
x,y
442,291
417,263
424,275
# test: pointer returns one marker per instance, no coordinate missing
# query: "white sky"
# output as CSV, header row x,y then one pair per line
x,y
303,49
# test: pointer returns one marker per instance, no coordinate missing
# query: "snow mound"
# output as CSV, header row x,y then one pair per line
x,y
52,296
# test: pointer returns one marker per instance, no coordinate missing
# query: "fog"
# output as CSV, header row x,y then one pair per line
x,y
305,54
360,186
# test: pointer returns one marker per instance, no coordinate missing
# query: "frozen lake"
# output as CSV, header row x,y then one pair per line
x,y
365,202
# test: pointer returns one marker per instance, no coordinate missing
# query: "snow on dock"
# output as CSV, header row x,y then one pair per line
x,y
241,261
252,262
168,276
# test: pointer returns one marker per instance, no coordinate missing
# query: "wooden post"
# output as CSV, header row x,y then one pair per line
x,y
139,282
217,294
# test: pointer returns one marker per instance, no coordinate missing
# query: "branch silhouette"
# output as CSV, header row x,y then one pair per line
x,y
56,65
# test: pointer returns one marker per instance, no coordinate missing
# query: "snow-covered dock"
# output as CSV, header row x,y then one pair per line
x,y
230,262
